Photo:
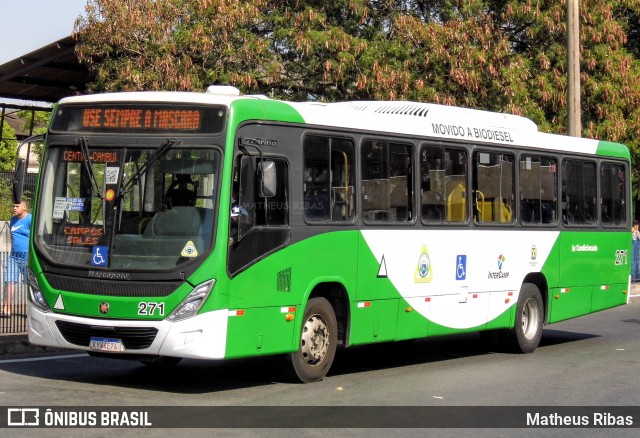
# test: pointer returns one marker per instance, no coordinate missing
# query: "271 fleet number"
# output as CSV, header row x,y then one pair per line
x,y
150,309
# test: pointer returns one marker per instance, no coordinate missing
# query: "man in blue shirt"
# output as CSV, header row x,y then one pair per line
x,y
17,263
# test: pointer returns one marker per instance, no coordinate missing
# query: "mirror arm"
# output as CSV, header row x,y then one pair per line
x,y
243,143
32,139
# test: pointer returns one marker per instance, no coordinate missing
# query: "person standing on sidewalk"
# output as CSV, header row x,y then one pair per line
x,y
635,259
17,263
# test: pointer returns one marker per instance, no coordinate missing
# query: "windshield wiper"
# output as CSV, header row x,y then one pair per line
x,y
164,147
84,147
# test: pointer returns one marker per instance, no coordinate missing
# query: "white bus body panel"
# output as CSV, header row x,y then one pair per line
x,y
496,264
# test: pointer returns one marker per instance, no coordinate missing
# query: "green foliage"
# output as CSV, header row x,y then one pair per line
x,y
502,55
6,202
35,122
8,148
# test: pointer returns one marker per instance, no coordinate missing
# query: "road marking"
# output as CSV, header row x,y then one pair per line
x,y
36,359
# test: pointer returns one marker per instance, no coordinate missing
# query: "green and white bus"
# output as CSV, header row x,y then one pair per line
x,y
216,225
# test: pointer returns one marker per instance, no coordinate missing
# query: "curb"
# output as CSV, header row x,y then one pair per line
x,y
19,345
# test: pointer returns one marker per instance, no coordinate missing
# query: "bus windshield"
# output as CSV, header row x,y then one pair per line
x,y
127,207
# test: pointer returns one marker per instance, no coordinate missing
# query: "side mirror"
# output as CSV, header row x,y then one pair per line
x,y
18,180
21,169
268,186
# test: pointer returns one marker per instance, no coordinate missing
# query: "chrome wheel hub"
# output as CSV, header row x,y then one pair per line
x,y
530,319
314,342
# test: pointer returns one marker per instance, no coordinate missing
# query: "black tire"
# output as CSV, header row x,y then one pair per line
x,y
161,362
318,343
525,336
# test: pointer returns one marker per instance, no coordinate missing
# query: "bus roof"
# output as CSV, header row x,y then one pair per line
x,y
154,96
448,122
396,117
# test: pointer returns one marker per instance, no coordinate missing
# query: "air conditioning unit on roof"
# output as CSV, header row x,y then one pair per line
x,y
226,90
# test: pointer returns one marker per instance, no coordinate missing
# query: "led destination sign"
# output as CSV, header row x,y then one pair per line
x,y
178,120
94,157
129,118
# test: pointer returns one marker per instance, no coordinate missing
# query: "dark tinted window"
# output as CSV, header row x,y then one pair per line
x,y
612,192
579,192
538,190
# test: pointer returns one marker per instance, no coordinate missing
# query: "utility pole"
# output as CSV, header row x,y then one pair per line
x,y
574,123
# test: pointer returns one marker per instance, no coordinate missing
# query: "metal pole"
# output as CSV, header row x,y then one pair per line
x,y
574,124
33,116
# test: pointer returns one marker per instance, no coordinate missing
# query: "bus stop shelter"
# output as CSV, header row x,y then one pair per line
x,y
44,75
33,82
36,80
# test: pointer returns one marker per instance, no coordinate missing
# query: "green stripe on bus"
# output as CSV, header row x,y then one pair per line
x,y
609,149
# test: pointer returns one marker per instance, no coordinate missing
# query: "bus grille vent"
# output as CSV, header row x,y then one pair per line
x,y
405,110
112,287
133,338
284,280
397,108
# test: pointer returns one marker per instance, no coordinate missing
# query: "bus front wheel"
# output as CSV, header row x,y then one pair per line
x,y
318,342
527,331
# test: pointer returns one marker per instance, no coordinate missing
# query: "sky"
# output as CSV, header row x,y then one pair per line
x,y
27,25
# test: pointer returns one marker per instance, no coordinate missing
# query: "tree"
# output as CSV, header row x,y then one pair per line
x,y
502,55
8,146
6,201
35,122
173,44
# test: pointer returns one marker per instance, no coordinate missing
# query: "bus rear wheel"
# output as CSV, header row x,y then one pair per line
x,y
527,331
318,343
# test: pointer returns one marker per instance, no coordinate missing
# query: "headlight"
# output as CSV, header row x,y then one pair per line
x,y
35,294
193,302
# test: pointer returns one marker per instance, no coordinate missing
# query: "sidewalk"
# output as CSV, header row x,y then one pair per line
x,y
12,346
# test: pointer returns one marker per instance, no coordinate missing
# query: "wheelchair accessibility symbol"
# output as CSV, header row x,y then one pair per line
x,y
461,267
99,256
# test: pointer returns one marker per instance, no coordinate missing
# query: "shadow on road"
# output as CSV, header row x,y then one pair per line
x,y
556,337
195,377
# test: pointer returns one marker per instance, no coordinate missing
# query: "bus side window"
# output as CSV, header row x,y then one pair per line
x,y
493,188
387,182
538,190
443,192
578,192
328,177
612,193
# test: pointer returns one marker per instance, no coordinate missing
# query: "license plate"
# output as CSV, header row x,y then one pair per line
x,y
106,344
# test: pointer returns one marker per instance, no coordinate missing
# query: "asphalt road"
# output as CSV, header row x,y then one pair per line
x,y
589,361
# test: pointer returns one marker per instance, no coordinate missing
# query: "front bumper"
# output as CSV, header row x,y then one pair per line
x,y
201,337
